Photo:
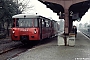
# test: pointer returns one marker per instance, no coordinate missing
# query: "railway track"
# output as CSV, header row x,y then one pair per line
x,y
8,49
11,49
86,33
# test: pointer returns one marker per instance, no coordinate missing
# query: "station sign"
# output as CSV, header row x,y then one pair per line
x,y
75,16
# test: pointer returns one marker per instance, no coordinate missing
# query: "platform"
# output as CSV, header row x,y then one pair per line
x,y
81,51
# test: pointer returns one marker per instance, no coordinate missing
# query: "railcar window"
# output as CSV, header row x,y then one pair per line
x,y
22,22
47,23
43,23
35,22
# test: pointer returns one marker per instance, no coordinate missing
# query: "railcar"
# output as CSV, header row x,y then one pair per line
x,y
28,27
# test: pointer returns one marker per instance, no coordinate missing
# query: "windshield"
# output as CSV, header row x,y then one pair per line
x,y
26,22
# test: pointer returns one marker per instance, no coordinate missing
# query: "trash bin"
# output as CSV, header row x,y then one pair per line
x,y
67,40
60,40
71,41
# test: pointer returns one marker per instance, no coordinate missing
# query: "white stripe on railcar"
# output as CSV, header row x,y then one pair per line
x,y
25,16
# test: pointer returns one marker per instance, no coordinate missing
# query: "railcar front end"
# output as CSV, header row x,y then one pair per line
x,y
25,29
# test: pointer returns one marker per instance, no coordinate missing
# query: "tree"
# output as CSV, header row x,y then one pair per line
x,y
85,25
80,25
8,8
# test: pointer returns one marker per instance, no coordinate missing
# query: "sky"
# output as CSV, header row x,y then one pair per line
x,y
86,17
34,6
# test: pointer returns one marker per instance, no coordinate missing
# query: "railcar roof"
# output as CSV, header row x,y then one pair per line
x,y
25,16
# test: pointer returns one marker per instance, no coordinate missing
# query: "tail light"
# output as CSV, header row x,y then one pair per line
x,y
35,31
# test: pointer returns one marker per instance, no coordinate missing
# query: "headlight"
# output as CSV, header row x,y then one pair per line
x,y
35,31
13,32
